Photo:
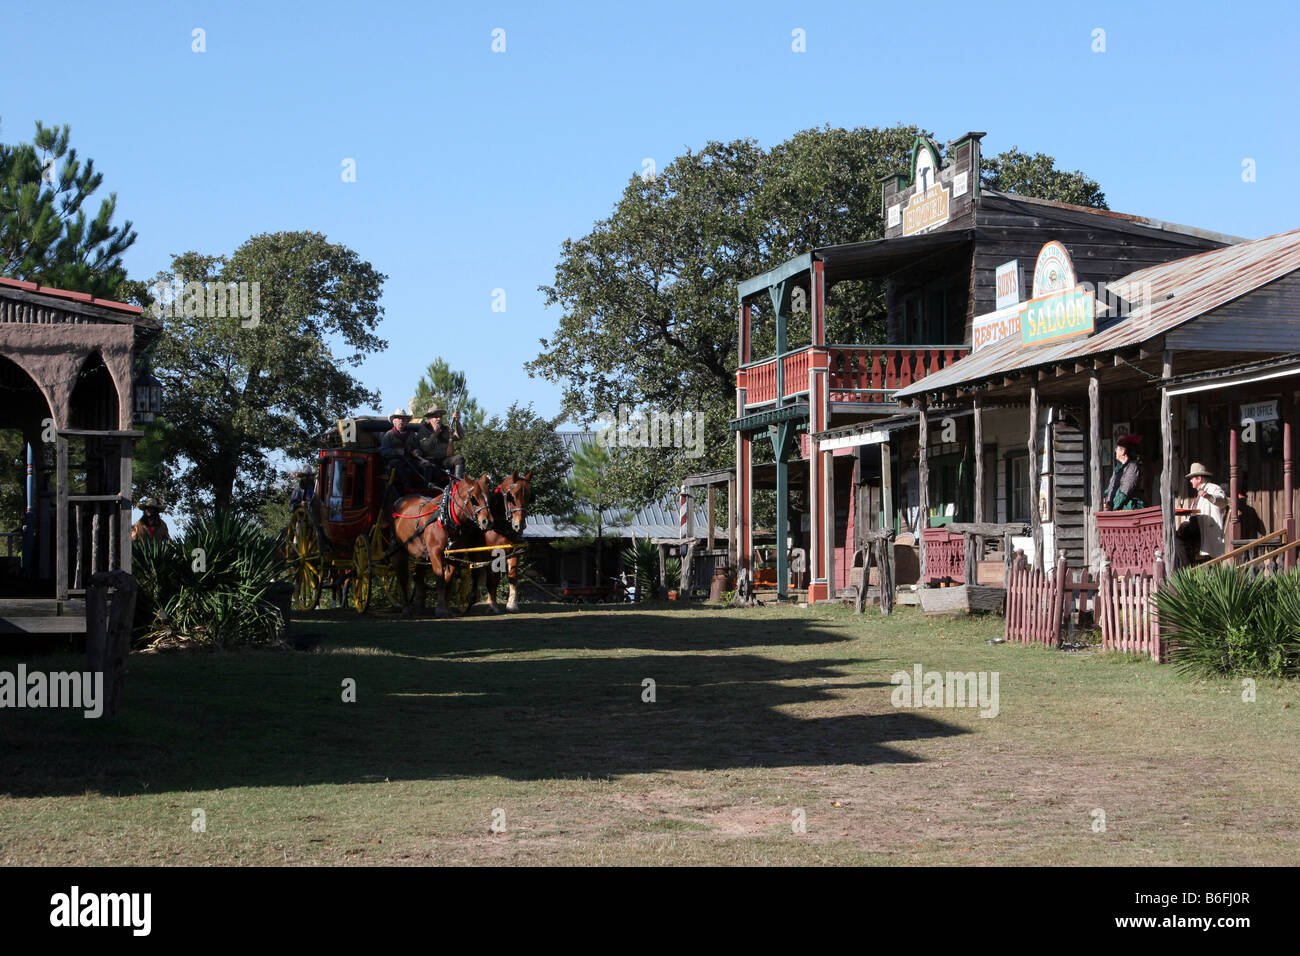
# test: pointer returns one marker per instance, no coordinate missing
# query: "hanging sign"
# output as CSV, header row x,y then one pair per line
x,y
1060,309
1006,280
987,329
1259,412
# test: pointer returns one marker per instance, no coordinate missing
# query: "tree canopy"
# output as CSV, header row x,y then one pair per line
x,y
45,235
237,388
647,298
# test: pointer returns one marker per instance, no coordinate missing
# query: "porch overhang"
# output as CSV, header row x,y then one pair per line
x,y
772,416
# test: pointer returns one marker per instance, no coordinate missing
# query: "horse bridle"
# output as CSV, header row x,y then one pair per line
x,y
507,495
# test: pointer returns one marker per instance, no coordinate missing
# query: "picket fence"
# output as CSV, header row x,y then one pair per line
x,y
1039,603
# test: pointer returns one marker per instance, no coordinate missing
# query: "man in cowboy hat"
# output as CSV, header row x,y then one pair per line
x,y
1202,535
151,526
399,448
436,439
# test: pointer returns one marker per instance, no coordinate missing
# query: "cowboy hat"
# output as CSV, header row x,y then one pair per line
x,y
1201,470
400,413
151,503
1129,439
435,409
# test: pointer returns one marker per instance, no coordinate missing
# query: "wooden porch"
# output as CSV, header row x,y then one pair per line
x,y
42,616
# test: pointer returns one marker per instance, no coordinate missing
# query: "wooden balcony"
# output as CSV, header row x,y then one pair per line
x,y
868,374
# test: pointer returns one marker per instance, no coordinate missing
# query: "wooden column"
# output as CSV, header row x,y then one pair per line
x,y
886,487
731,523
1035,480
885,546
828,472
1167,462
1094,465
708,497
978,424
923,469
61,516
1288,508
1234,440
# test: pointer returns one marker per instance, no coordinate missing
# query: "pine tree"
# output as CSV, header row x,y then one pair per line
x,y
442,383
45,236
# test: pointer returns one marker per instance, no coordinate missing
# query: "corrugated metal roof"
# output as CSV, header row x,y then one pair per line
x,y
658,519
1162,297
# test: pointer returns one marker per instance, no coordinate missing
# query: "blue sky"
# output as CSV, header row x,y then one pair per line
x,y
473,166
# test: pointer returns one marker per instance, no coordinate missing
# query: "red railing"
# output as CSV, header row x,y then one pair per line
x,y
945,556
858,373
872,373
1130,539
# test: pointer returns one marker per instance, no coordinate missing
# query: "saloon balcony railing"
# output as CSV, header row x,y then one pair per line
x,y
857,373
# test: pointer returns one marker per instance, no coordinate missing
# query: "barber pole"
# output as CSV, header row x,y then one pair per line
x,y
682,511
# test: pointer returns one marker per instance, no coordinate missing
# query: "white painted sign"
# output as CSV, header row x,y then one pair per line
x,y
1259,412
959,185
1006,282
995,326
895,214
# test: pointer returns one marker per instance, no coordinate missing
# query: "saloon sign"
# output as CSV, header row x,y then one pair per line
x,y
1059,308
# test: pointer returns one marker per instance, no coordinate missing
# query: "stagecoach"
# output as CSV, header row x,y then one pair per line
x,y
340,531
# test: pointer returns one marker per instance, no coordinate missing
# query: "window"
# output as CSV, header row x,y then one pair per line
x,y
1017,487
924,315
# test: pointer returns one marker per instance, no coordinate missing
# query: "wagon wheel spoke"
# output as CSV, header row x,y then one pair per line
x,y
307,564
361,567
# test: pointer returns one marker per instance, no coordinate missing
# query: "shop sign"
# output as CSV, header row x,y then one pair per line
x,y
1259,412
994,327
1061,315
926,212
1006,280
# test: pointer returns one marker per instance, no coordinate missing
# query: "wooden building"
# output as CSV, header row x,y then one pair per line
x,y
1198,356
947,240
69,371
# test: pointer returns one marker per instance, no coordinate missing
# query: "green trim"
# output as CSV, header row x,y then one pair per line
x,y
934,151
772,416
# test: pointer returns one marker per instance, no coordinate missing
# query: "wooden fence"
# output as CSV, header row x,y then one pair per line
x,y
1123,606
1126,612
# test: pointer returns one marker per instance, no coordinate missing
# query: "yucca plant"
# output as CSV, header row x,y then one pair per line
x,y
211,585
1221,621
642,555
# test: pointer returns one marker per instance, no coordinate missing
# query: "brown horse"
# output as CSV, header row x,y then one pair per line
x,y
509,502
424,528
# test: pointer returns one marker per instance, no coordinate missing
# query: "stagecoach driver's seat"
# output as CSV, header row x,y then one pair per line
x,y
398,449
437,440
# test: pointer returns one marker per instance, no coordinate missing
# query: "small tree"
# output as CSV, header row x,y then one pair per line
x,y
594,492
522,440
442,383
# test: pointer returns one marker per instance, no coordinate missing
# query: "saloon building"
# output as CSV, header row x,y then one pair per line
x,y
820,423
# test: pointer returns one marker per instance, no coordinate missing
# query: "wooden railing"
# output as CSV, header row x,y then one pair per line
x,y
945,556
1130,539
872,373
1256,554
857,373
96,538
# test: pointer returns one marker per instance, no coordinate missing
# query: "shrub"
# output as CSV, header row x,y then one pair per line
x,y
222,599
1220,621
642,555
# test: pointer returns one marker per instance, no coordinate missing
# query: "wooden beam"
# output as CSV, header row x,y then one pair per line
x,y
978,437
886,486
1094,463
923,476
1152,349
1167,462
1061,370
1036,521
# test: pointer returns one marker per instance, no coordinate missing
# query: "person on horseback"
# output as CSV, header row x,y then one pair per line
x,y
400,449
436,440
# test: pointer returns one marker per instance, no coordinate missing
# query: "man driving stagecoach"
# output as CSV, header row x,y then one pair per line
x,y
436,440
400,448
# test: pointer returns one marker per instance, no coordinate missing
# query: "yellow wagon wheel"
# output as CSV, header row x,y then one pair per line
x,y
305,563
359,591
462,587
383,568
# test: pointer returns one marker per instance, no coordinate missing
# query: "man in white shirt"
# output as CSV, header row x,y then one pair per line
x,y
1211,506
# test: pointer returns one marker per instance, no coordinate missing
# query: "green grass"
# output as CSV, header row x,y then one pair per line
x,y
758,713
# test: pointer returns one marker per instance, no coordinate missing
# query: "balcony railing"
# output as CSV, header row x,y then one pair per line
x,y
857,373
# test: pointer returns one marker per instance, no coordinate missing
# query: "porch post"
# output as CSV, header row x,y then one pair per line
x,y
1234,438
1167,463
782,508
886,487
923,475
125,456
1288,509
1094,463
708,497
61,518
1035,480
978,438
